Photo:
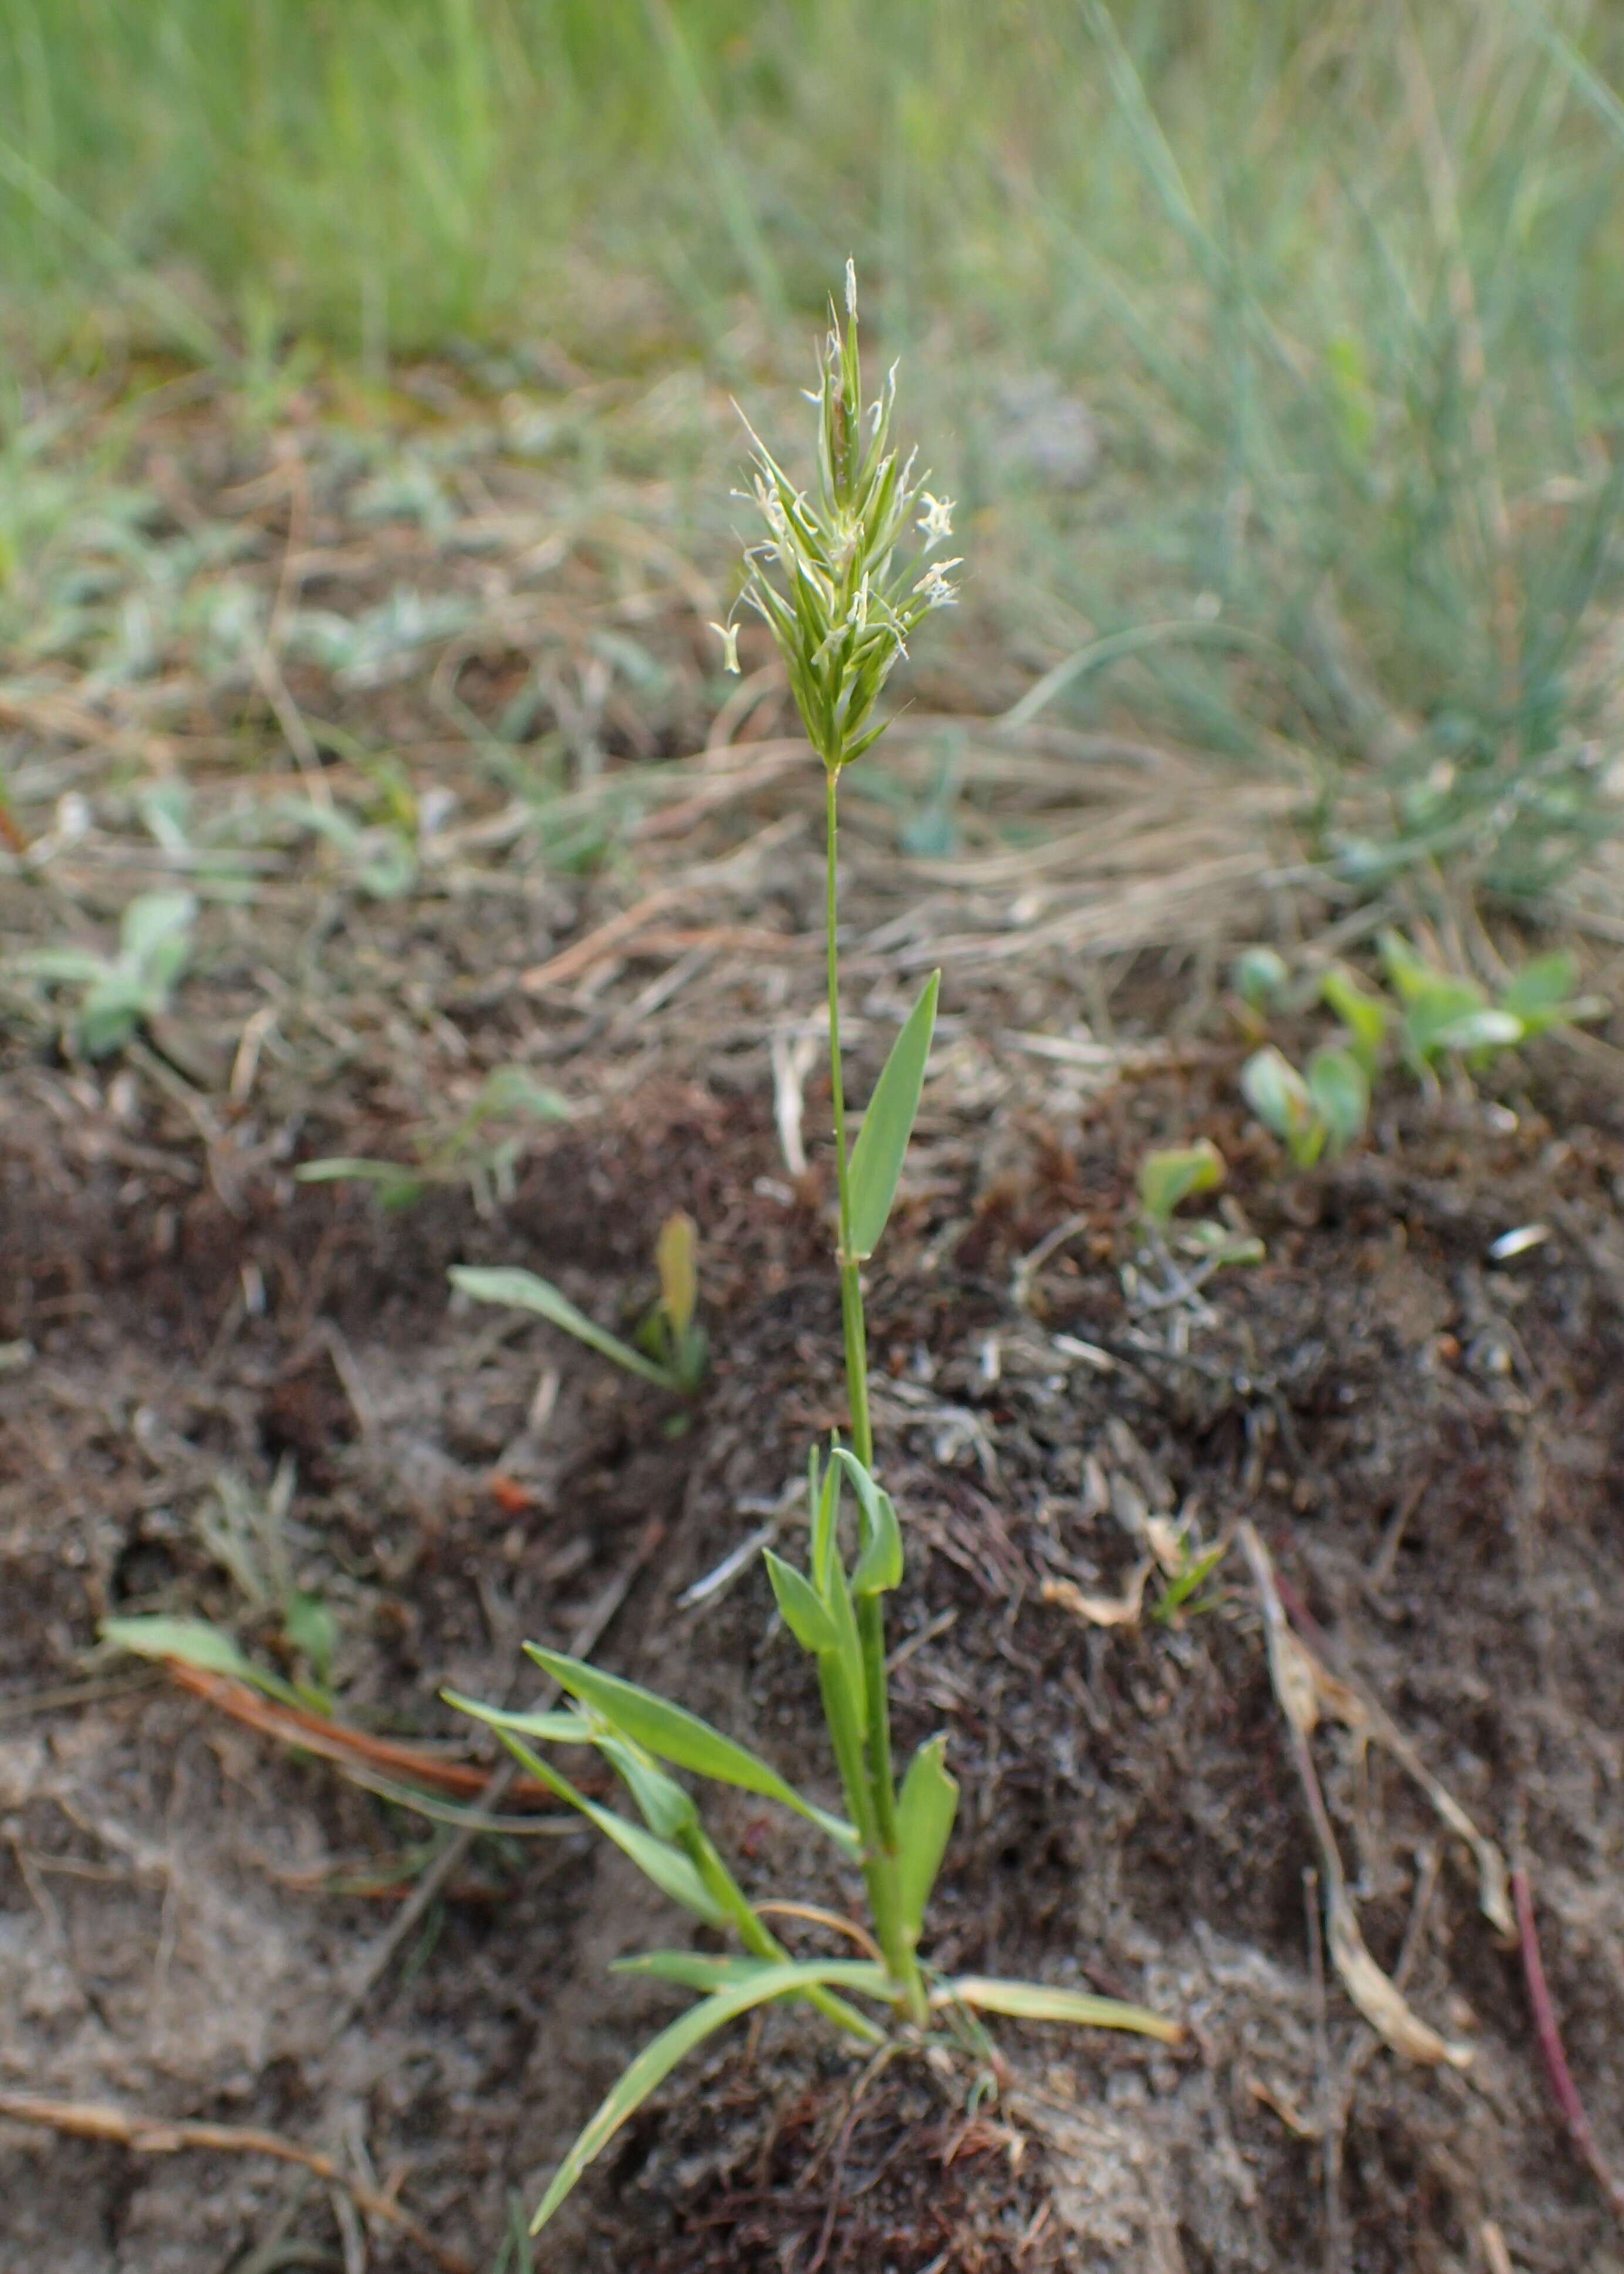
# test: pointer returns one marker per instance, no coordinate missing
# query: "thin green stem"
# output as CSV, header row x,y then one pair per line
x,y
851,1280
881,1871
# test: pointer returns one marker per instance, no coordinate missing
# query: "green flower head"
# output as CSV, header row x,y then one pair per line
x,y
828,580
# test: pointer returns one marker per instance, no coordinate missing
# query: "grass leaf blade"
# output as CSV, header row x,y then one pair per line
x,y
658,2059
675,1735
1035,2001
882,1141
525,1291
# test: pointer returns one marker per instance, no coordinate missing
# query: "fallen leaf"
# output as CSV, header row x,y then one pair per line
x,y
1379,1999
1103,1610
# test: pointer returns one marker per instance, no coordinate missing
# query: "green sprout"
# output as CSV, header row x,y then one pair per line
x,y
1167,1178
671,1349
1432,1015
840,600
464,1153
121,993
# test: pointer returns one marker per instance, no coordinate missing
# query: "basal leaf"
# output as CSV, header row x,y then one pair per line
x,y
766,1981
515,1090
151,922
675,1735
1278,1094
397,1186
1481,1028
194,1642
674,1256
1176,1171
1259,977
1034,2001
64,966
1364,1014
1339,1087
876,1156
110,1012
1544,983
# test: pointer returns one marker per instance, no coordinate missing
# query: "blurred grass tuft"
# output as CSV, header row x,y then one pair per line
x,y
1287,338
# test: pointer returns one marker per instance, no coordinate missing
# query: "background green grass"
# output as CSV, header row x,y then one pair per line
x,y
1337,290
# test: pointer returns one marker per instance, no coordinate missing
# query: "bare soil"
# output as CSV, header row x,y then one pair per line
x,y
1433,1445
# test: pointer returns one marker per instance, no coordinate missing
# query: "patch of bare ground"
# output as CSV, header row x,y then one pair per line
x,y
1431,1443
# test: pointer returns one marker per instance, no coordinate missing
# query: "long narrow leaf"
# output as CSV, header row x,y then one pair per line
x,y
666,1807
689,1969
656,2061
665,1866
524,1291
565,1728
876,1156
926,1807
1033,2002
675,1735
194,1642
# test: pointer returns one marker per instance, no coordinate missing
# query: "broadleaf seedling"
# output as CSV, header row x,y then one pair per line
x,y
1433,1014
1167,1178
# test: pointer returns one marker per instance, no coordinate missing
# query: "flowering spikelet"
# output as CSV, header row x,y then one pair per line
x,y
827,581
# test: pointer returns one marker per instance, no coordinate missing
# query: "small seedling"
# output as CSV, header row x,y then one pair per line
x,y
671,1349
1365,1014
121,993
1169,1177
1437,1015
245,1532
463,1153
380,859
831,584
1280,1097
1260,985
1180,1598
201,1643
669,1334
1443,1014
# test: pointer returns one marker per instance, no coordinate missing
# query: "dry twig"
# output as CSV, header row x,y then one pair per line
x,y
1552,2052
159,2135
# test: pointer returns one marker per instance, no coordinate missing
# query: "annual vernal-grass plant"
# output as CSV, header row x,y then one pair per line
x,y
846,572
